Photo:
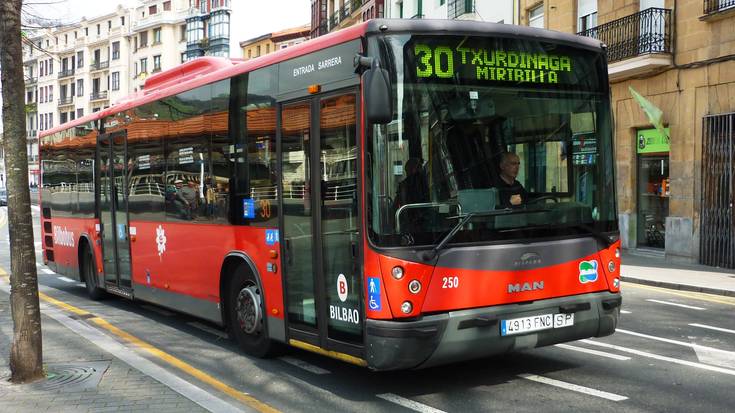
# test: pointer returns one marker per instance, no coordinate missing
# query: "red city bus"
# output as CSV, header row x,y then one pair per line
x,y
397,194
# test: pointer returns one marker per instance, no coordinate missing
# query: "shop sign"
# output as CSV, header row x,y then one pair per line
x,y
652,141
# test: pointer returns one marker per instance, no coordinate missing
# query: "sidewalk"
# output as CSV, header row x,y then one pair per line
x,y
652,270
81,376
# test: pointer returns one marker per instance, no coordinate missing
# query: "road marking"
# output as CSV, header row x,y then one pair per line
x,y
696,296
675,304
304,365
158,310
595,352
724,330
679,343
662,358
574,387
408,403
625,312
46,271
208,329
66,280
174,382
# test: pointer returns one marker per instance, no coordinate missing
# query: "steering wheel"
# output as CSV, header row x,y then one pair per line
x,y
545,197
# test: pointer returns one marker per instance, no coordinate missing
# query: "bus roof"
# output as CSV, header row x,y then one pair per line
x,y
205,70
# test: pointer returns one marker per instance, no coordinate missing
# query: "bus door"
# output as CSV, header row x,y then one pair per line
x,y
318,159
113,212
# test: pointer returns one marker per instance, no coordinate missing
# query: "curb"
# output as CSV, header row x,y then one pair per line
x,y
682,287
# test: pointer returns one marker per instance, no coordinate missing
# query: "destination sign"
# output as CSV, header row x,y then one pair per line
x,y
490,64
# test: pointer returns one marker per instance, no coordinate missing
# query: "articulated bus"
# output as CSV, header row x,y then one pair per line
x,y
350,195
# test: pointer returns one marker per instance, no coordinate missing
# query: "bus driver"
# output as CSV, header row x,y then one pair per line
x,y
511,193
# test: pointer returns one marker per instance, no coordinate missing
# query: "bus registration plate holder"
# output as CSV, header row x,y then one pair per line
x,y
535,323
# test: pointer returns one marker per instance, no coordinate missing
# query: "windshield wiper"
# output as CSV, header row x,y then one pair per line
x,y
431,254
607,241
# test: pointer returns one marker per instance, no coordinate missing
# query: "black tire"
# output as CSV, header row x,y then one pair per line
x,y
90,276
246,314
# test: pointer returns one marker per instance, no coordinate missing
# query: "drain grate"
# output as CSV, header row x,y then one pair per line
x,y
74,376
67,377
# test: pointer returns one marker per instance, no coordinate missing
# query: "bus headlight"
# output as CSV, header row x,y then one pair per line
x,y
617,252
616,282
611,266
406,307
397,272
414,286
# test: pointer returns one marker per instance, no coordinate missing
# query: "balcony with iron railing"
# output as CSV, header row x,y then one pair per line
x,y
98,95
31,80
458,8
102,65
66,101
712,7
636,44
66,73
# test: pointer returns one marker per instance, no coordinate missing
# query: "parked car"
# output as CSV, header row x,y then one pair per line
x,y
3,197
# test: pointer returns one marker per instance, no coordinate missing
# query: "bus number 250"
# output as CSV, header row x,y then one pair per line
x,y
450,282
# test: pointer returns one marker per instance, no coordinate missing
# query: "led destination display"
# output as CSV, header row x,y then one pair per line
x,y
492,60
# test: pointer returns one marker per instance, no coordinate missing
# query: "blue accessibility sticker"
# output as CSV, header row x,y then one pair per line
x,y
248,208
121,232
271,236
374,294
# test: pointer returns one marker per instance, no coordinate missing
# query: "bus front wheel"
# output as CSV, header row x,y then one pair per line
x,y
246,317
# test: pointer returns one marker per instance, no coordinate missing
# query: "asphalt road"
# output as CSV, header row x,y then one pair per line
x,y
674,352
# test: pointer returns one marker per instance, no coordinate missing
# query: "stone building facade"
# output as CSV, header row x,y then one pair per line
x,y
675,197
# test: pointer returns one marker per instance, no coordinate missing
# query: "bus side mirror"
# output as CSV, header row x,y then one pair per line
x,y
378,103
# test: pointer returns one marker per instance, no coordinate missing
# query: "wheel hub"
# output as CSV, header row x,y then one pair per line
x,y
248,310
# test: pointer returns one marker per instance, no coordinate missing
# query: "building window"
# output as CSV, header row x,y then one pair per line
x,y
536,16
143,39
152,10
183,57
98,30
109,25
115,81
182,29
219,25
115,50
86,31
144,65
80,112
586,15
157,63
194,31
122,20
166,5
157,36
80,87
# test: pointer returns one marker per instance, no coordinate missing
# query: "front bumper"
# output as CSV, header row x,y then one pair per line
x,y
468,334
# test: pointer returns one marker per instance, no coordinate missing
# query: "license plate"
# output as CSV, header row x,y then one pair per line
x,y
535,323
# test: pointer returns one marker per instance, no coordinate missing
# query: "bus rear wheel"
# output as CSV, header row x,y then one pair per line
x,y
247,321
90,276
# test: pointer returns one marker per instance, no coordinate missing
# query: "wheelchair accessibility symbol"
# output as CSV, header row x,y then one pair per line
x,y
374,294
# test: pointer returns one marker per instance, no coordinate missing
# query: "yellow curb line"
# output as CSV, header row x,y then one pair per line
x,y
160,354
693,295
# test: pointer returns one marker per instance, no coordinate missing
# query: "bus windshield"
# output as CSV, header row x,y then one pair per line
x,y
514,132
